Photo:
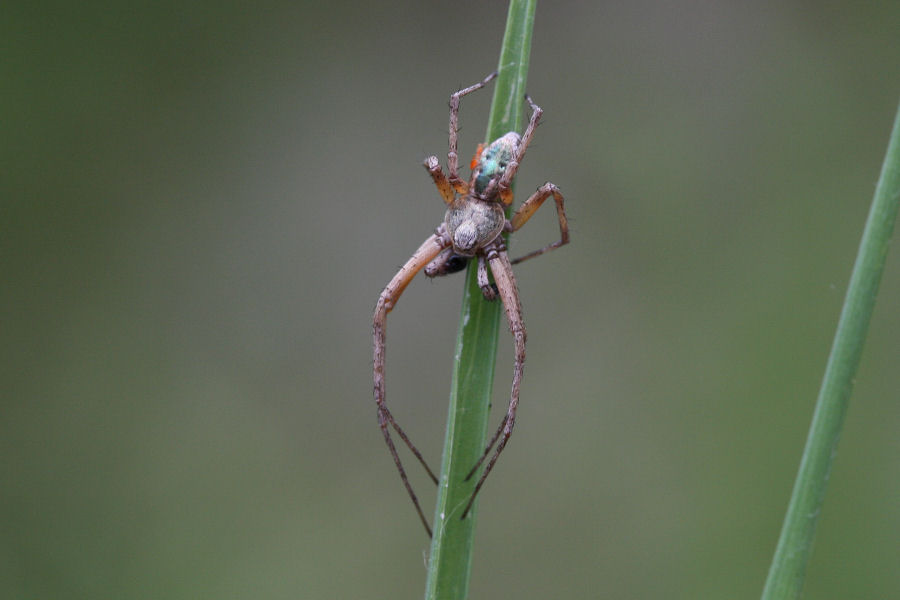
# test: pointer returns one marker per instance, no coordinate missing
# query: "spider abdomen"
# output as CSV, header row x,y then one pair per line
x,y
473,224
492,160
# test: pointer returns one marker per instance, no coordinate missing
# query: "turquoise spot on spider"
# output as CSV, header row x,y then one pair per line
x,y
493,160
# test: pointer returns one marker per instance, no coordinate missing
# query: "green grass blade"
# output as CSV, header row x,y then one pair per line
x,y
792,554
450,560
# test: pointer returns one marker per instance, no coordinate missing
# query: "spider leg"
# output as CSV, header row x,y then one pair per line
x,y
509,293
433,246
510,172
452,157
530,206
487,290
440,180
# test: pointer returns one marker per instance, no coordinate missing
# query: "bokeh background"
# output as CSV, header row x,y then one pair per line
x,y
201,202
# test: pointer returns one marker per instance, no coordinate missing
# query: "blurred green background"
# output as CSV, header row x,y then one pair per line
x,y
201,202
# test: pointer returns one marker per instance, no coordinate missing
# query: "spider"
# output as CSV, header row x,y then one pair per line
x,y
472,228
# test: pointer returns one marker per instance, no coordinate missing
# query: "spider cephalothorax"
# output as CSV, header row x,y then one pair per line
x,y
472,228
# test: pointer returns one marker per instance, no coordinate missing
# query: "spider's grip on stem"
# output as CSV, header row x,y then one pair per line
x,y
506,284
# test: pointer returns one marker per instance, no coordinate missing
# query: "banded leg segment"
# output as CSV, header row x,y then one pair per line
x,y
530,206
430,249
487,290
452,157
509,293
440,180
524,142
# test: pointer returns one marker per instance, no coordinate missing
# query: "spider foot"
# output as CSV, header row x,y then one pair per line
x,y
490,291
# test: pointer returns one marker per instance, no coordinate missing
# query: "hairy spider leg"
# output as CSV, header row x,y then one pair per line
x,y
513,166
501,267
530,206
452,157
433,166
430,249
509,293
487,290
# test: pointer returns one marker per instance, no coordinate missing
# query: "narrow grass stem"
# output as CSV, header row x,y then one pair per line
x,y
450,561
786,574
